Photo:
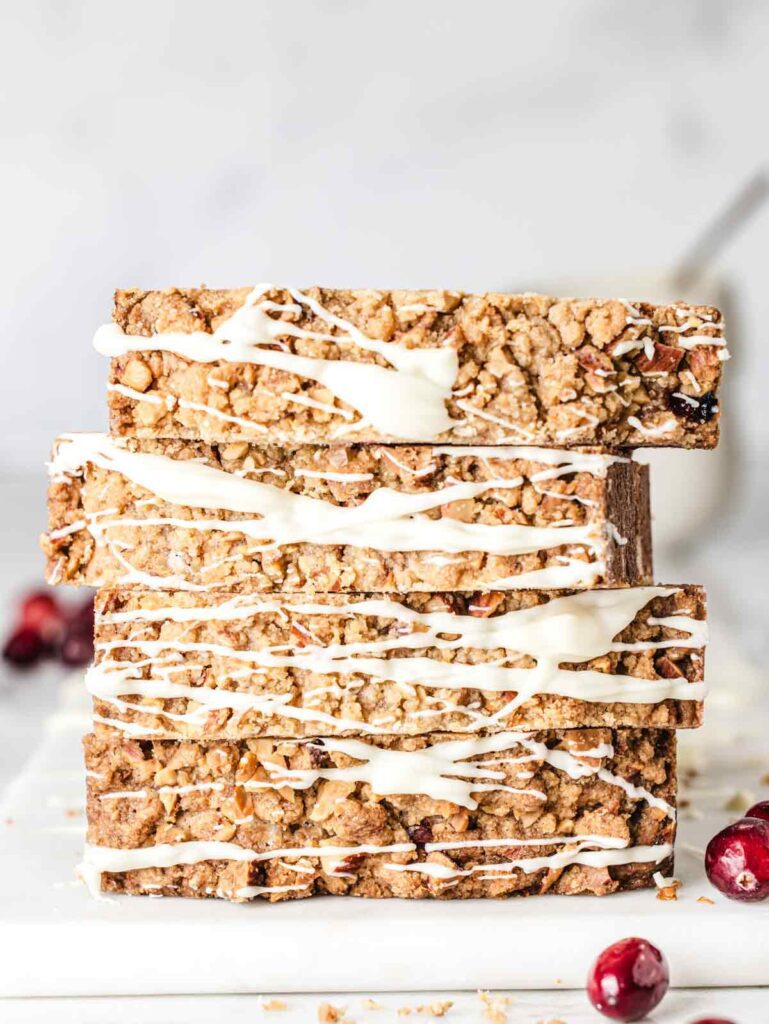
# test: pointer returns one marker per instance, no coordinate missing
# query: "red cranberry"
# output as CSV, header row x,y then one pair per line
x,y
76,647
737,860
41,611
759,810
83,615
628,980
713,1020
24,647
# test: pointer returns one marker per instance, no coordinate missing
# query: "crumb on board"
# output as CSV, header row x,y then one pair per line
x,y
330,1014
274,1005
705,899
667,888
371,1004
437,1009
495,1007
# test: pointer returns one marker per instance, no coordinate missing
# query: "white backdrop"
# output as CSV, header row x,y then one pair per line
x,y
475,145
496,144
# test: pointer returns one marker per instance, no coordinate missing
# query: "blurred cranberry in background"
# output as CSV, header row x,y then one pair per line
x,y
41,612
47,628
24,647
77,645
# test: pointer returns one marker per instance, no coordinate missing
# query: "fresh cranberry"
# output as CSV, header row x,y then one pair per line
x,y
76,647
713,1020
696,410
41,611
24,647
759,810
737,860
628,980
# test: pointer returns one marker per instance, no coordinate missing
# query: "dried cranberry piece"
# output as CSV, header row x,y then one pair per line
x,y
759,810
421,833
697,410
628,980
737,860
317,754
24,647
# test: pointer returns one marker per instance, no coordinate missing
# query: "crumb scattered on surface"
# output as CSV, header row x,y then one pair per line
x,y
706,899
495,1007
667,888
437,1009
330,1014
765,779
273,1005
371,1004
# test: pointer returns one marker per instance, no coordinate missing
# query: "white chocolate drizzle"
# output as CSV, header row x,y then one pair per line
x,y
406,399
441,771
386,520
570,629
99,859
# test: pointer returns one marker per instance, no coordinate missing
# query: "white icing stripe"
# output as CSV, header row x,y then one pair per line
x,y
659,431
406,400
571,629
574,627
98,859
441,771
577,855
343,478
387,520
247,892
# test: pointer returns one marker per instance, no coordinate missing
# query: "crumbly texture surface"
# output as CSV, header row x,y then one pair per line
x,y
347,814
299,701
121,542
532,368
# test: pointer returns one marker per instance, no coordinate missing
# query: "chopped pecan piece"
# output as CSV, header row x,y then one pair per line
x,y
667,668
594,361
666,359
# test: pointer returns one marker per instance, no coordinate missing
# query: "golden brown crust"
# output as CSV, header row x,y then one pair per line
x,y
230,560
554,371
307,702
344,814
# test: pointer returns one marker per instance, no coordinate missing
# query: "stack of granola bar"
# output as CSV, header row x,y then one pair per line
x,y
376,613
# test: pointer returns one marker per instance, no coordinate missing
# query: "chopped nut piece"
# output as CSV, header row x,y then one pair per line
x,y
137,375
666,359
495,1007
330,1014
705,899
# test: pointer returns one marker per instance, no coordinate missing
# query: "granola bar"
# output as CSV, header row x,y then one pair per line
x,y
186,665
276,365
237,517
581,811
